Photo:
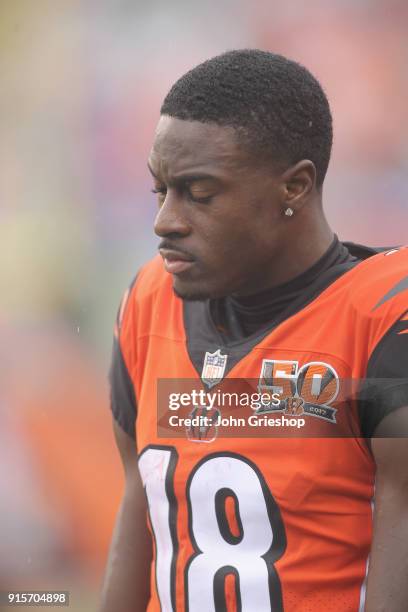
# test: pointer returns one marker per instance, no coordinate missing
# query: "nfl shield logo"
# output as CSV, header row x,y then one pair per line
x,y
213,368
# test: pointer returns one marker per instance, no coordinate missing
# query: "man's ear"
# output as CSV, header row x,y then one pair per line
x,y
298,182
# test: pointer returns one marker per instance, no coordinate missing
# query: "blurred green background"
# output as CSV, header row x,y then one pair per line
x,y
81,87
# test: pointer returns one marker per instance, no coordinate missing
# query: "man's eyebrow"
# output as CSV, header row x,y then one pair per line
x,y
194,176
188,177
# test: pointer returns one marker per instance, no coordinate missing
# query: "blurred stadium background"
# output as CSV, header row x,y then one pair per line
x,y
81,86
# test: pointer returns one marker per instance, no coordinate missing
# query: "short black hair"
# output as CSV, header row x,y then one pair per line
x,y
275,104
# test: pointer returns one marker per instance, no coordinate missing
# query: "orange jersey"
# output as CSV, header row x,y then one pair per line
x,y
257,523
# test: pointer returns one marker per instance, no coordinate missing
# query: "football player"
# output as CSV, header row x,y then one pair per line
x,y
252,283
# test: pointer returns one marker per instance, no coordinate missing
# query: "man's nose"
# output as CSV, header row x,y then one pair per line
x,y
171,218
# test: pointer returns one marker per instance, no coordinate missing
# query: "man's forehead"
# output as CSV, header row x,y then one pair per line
x,y
180,145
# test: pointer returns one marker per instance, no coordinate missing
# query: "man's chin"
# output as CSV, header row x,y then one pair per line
x,y
195,291
191,295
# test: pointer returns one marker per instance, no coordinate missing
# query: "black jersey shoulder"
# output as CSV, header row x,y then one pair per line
x,y
122,394
386,384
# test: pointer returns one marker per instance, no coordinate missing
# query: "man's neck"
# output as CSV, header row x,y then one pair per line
x,y
310,238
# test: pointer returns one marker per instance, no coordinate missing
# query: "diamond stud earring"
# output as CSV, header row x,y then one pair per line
x,y
289,212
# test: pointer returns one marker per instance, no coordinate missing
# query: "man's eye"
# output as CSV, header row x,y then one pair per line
x,y
199,199
162,191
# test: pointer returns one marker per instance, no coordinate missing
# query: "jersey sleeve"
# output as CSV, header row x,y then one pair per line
x,y
122,393
386,387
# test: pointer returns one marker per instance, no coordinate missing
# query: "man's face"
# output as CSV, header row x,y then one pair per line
x,y
220,214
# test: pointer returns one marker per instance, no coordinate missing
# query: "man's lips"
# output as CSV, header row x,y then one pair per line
x,y
176,262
